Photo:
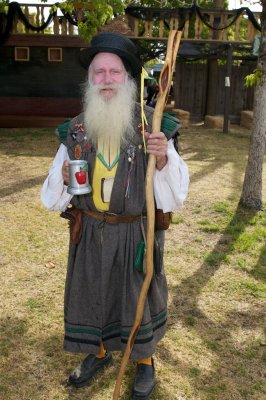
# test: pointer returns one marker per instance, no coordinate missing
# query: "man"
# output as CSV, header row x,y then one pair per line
x,y
105,268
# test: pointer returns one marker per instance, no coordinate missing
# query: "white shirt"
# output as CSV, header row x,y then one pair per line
x,y
170,183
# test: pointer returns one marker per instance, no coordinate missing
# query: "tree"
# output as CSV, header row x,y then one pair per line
x,y
251,196
3,5
91,14
174,3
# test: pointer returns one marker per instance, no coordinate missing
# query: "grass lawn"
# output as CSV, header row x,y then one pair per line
x,y
215,261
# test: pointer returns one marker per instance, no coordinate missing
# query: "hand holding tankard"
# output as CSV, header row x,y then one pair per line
x,y
75,175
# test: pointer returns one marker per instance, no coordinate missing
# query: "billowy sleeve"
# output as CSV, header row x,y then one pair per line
x,y
54,194
171,183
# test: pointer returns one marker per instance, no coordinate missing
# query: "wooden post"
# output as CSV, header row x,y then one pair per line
x,y
211,108
227,88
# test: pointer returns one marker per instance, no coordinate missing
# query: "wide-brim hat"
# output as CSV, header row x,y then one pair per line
x,y
116,43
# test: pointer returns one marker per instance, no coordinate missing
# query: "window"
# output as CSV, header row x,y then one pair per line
x,y
55,54
22,54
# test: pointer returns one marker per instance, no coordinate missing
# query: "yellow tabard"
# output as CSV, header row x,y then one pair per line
x,y
100,173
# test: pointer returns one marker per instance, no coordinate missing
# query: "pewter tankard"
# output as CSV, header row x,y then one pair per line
x,y
78,177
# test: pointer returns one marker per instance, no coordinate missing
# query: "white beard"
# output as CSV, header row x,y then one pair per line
x,y
109,118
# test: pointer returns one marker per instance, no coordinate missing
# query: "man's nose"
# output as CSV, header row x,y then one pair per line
x,y
108,77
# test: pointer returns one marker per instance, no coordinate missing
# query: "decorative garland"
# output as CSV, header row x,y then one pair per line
x,y
150,14
147,14
237,13
15,11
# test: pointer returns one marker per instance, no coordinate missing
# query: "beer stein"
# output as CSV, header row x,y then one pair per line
x,y
78,177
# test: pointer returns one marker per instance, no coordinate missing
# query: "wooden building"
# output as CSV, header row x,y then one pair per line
x,y
41,78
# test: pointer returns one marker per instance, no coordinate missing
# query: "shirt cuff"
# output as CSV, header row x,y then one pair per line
x,y
54,194
171,182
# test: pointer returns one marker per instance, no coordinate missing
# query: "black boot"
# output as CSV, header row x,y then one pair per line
x,y
88,369
144,382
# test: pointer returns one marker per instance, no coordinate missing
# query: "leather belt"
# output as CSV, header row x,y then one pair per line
x,y
111,218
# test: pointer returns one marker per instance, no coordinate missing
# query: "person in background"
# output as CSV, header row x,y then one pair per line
x,y
151,85
154,98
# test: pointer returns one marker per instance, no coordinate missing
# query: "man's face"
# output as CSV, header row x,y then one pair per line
x,y
105,70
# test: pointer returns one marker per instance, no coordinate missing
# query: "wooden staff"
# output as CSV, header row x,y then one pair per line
x,y
164,88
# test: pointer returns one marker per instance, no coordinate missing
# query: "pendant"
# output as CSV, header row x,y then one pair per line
x,y
78,152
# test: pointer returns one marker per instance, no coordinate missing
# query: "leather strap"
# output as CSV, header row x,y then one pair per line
x,y
111,218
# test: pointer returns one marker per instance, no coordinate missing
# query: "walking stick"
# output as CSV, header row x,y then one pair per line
x,y
164,88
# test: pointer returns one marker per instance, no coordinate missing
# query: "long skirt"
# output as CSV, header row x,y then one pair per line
x,y
103,287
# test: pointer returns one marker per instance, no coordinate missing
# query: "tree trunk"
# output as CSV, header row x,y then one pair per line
x,y
251,196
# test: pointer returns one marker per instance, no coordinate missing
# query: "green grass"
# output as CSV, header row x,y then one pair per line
x,y
198,209
221,207
253,288
215,258
194,372
211,228
190,320
177,220
208,226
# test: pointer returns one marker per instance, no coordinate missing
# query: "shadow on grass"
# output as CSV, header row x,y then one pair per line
x,y
22,185
39,367
259,270
206,171
30,142
206,150
234,229
217,337
12,330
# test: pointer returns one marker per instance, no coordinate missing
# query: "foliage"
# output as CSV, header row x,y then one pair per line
x,y
3,5
91,14
242,32
150,63
150,50
253,79
175,3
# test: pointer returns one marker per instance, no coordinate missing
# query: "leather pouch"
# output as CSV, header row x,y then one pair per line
x,y
162,220
74,217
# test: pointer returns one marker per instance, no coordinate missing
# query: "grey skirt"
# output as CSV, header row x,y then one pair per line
x,y
103,287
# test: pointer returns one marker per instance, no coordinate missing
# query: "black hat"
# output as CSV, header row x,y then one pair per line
x,y
116,43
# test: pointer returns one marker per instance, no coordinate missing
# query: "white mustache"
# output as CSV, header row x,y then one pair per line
x,y
103,86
